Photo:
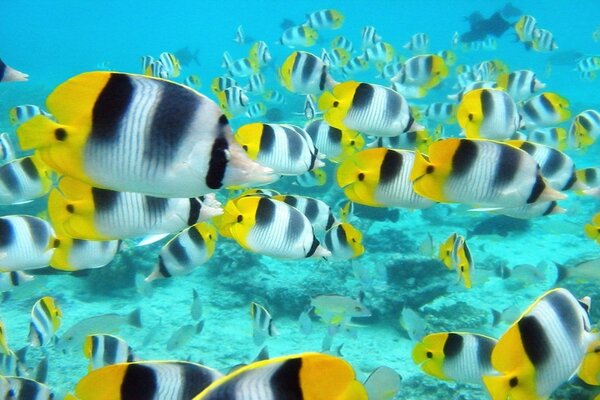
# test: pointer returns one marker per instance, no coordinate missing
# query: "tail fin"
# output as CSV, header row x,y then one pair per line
x,y
135,318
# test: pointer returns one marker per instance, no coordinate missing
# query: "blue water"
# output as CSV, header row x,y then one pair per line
x,y
53,41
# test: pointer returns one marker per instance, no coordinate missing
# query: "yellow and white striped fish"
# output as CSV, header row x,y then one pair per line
x,y
335,143
584,129
20,114
286,149
543,348
546,109
488,114
367,108
27,243
305,73
103,350
380,178
45,321
299,36
344,242
24,180
182,254
139,134
520,84
318,212
78,254
270,227
309,376
86,212
458,356
176,380
483,173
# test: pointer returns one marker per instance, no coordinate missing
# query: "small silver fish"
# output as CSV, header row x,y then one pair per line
x,y
196,307
183,335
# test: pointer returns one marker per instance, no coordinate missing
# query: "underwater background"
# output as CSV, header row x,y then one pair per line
x,y
55,40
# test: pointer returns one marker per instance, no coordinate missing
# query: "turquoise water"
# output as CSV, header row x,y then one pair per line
x,y
53,41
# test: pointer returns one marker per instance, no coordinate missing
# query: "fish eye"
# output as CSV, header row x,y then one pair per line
x,y
357,308
470,117
361,177
462,269
336,103
352,143
240,218
429,354
429,169
245,147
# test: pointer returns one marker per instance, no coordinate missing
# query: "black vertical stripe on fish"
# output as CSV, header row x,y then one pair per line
x,y
323,78
285,382
585,123
295,226
312,209
295,144
507,166
10,180
291,200
104,200
428,65
193,380
2,70
45,310
568,315
196,238
110,108
110,349
156,206
334,135
464,157
553,164
532,84
194,214
39,231
330,221
393,104
308,67
162,268
328,241
267,139
95,345
550,208
530,111
538,188
265,212
528,147
29,168
510,80
29,390
139,382
409,124
341,236
453,345
535,342
484,350
313,247
7,232
363,95
178,252
546,104
14,278
390,166
175,112
590,175
218,159
487,103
